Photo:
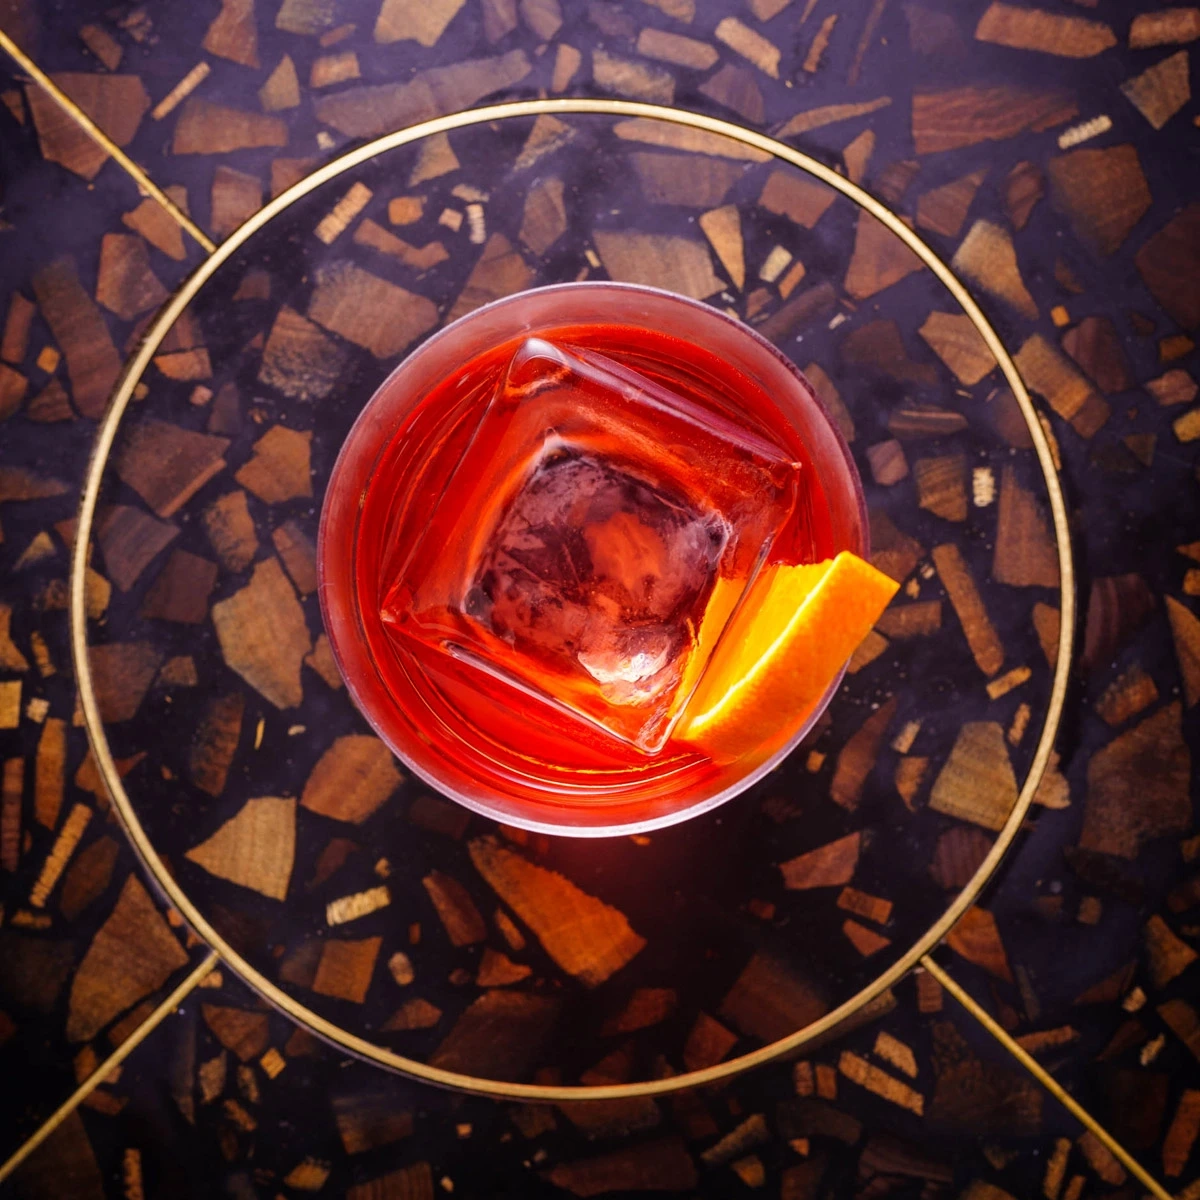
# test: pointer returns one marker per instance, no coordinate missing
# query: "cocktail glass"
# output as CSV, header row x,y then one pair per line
x,y
539,529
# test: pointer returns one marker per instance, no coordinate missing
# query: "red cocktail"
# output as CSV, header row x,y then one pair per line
x,y
540,527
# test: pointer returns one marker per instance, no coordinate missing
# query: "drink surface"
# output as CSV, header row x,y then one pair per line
x,y
543,537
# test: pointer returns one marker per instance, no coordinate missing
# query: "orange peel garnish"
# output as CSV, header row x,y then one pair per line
x,y
786,644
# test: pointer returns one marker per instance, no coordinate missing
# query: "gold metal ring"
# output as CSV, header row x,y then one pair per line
x,y
99,741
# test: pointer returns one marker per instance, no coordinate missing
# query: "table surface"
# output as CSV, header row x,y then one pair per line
x,y
1082,947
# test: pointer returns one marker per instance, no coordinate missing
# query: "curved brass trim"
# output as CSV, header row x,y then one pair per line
x,y
145,184
1056,1089
87,511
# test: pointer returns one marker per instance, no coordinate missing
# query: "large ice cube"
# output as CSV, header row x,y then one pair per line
x,y
576,545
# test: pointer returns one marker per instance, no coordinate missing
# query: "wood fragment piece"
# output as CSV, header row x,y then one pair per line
x,y
830,114
264,636
345,969
300,360
892,551
1024,186
1138,787
351,908
658,260
545,215
879,345
959,853
1047,32
126,285
1066,390
955,340
863,904
93,363
661,1166
707,1043
646,1007
1170,261
157,226
1025,553
17,325
830,865
887,461
352,779
1181,1136
896,1052
230,529
12,784
1160,91
1103,192
875,1079
280,468
1095,345
1168,956
987,257
282,87
723,228
49,773
330,69
236,197
342,214
1185,630
818,46
857,758
695,181
167,465
977,783
88,877
216,741
1168,26
736,88
122,673
636,80
501,1035
879,259
234,34
498,970
369,311
919,619
207,128
593,944
255,848
977,939
695,141
1131,692
829,395
243,1032
11,658
133,954
964,595
181,591
463,922
751,1132
116,103
102,44
944,209
298,554
799,199
966,116
181,91
412,1014
910,775
752,46
942,485
676,49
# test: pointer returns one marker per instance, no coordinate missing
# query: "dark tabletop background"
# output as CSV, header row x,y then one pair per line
x,y
1101,943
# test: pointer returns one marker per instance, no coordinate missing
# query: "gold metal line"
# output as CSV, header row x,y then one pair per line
x,y
145,184
141,843
118,1056
1047,1080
